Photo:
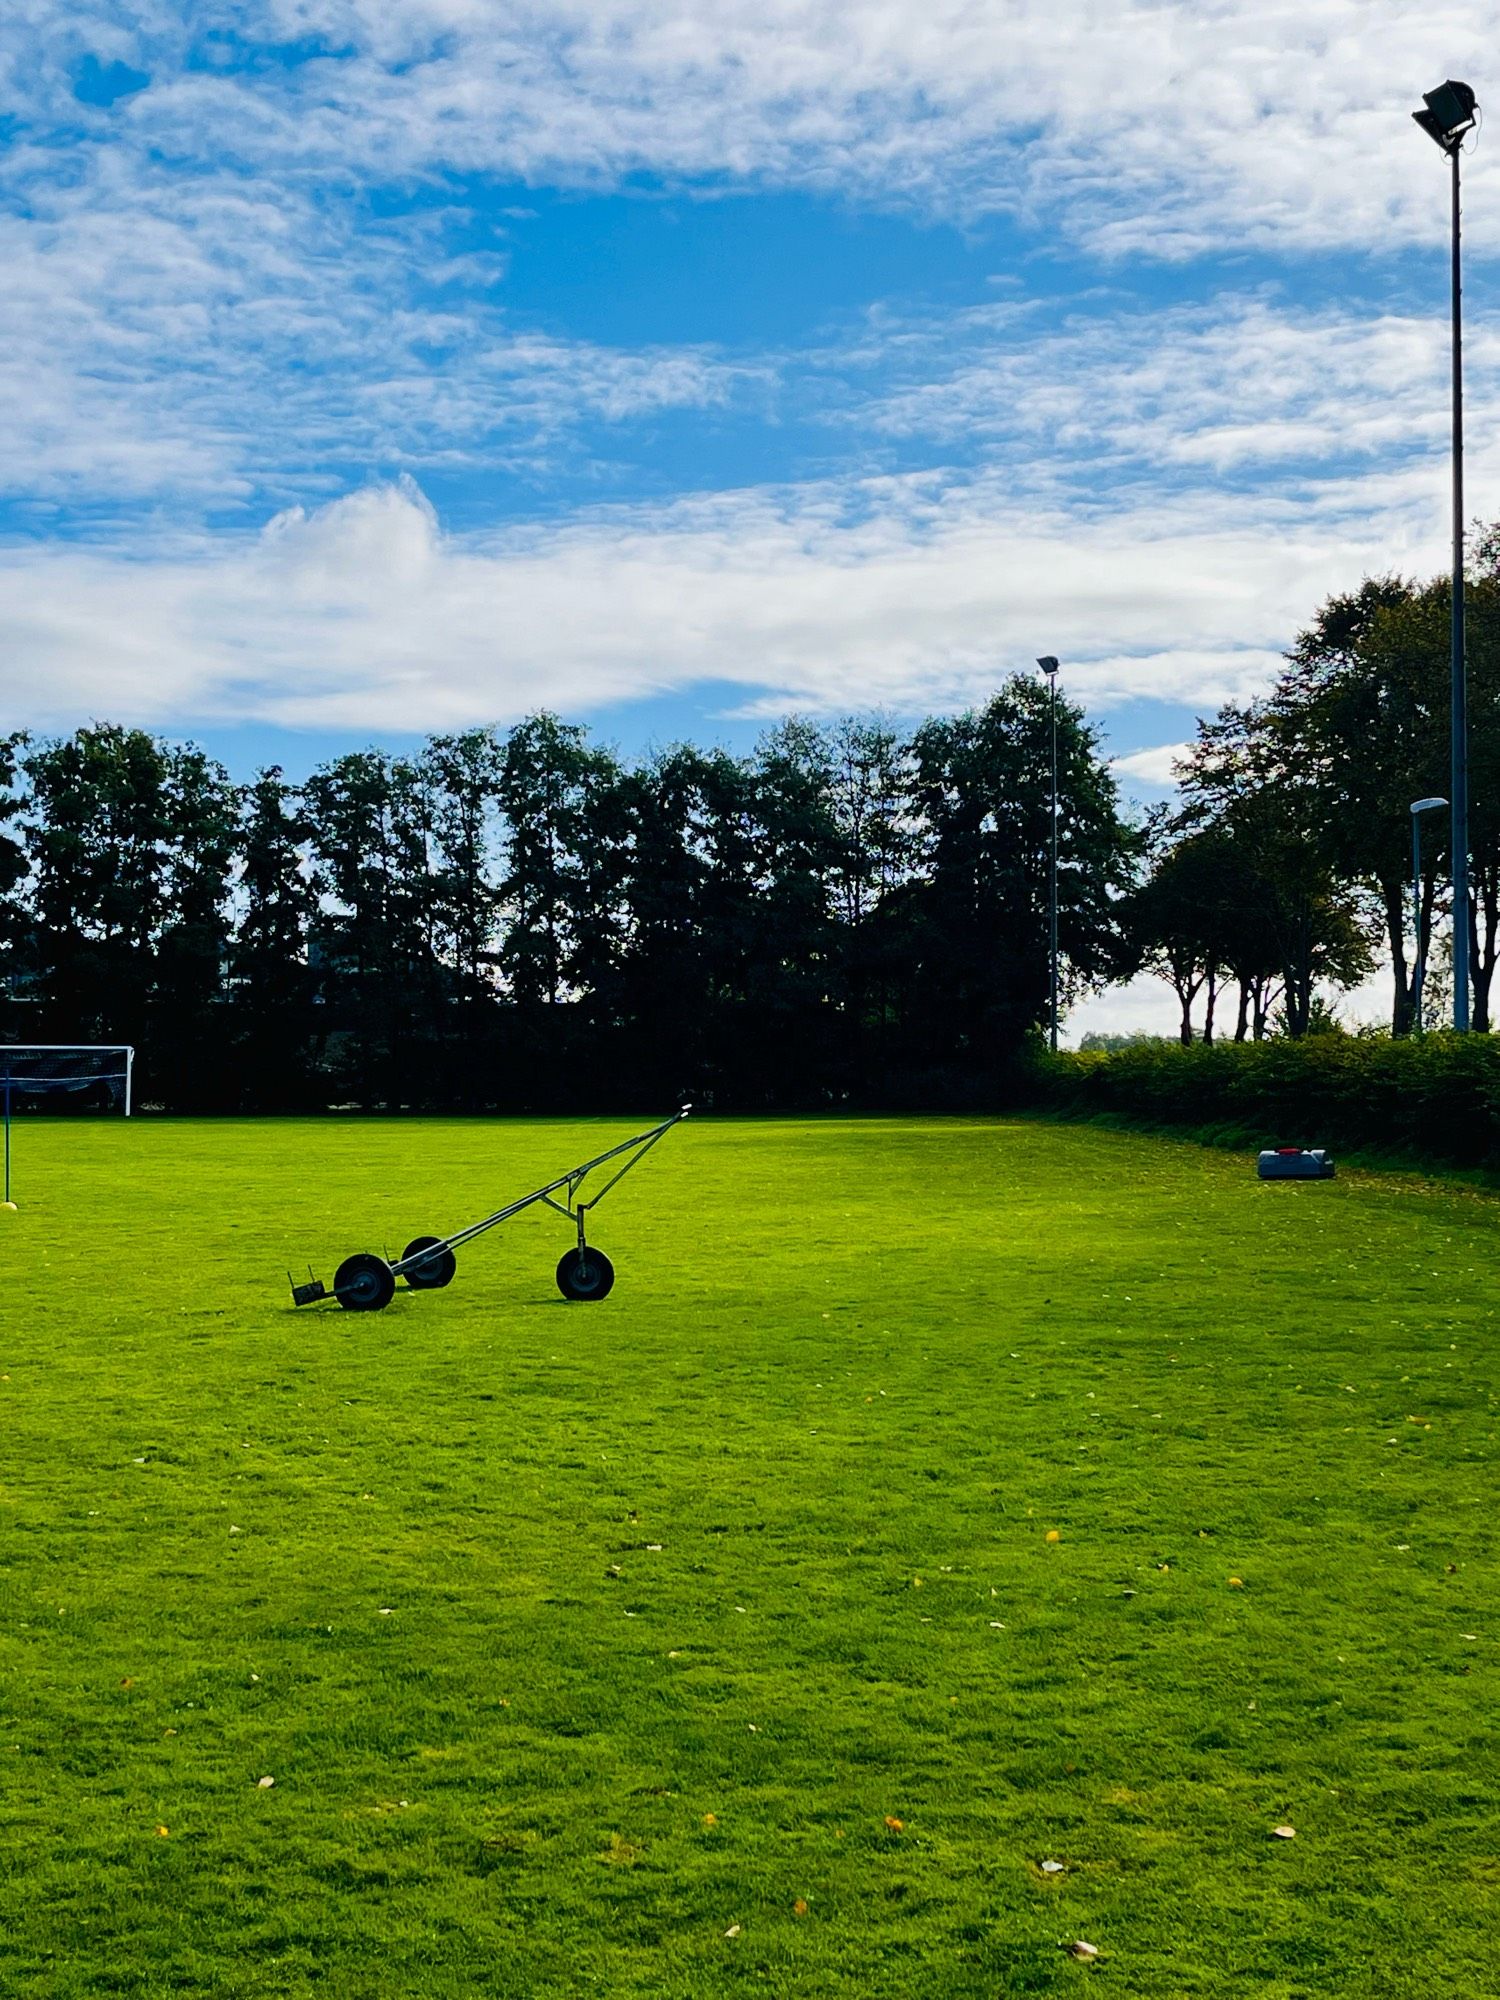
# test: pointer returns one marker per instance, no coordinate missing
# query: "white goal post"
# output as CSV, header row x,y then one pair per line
x,y
67,1069
58,1071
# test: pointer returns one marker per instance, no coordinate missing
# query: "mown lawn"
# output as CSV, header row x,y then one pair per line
x,y
930,1500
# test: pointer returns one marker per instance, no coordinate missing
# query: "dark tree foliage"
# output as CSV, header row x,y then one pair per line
x,y
1249,889
278,1038
976,906
16,962
1312,787
98,831
519,921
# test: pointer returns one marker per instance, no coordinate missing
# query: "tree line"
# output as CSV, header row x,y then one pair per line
x,y
851,914
1287,866
522,919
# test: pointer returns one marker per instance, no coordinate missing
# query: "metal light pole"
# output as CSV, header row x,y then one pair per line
x,y
1419,963
1451,114
1048,666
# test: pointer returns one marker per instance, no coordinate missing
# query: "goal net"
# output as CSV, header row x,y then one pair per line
x,y
66,1076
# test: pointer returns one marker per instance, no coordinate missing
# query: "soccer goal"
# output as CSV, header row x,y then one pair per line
x,y
63,1076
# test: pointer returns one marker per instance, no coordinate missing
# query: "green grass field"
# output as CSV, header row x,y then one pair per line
x,y
930,1500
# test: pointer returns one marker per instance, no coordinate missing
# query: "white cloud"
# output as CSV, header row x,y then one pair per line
x,y
1164,126
1241,384
910,594
165,341
204,316
1156,766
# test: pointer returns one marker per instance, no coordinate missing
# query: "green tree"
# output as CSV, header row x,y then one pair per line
x,y
981,797
199,838
272,980
461,773
15,915
97,839
374,937
1247,778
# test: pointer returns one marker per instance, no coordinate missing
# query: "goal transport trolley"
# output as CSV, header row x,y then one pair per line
x,y
367,1283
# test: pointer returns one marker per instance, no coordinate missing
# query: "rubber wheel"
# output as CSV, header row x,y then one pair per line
x,y
364,1283
436,1272
585,1274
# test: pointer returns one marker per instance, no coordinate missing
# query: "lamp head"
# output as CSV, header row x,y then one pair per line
x,y
1450,115
1427,805
1048,663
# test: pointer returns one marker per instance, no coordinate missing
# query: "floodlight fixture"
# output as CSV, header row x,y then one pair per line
x,y
1427,805
1452,113
1048,663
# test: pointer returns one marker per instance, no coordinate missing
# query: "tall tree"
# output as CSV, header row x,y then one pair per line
x,y
199,837
982,793
374,937
664,991
878,842
15,918
1361,717
97,837
461,773
272,980
1246,778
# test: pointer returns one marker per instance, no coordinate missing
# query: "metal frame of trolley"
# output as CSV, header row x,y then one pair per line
x,y
367,1283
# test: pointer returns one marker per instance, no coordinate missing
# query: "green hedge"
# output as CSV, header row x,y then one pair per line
x,y
1436,1099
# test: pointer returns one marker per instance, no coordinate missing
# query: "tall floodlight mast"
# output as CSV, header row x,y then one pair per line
x,y
1451,113
1048,665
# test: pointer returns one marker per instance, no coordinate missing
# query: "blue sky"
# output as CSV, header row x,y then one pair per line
x,y
368,368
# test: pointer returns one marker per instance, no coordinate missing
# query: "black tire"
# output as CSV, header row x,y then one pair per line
x,y
364,1283
585,1274
433,1272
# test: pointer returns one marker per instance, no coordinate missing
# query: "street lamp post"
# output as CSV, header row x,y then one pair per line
x,y
1419,963
1451,114
1048,665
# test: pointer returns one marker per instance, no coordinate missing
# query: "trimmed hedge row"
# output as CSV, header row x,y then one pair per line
x,y
1434,1099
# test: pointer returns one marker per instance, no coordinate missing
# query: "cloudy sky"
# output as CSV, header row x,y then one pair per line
x,y
374,365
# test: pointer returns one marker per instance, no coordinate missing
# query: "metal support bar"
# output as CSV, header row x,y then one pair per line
x,y
573,1209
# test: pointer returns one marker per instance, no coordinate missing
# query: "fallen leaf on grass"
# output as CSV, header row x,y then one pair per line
x,y
1081,1948
264,1784
1236,1583
710,1819
799,1908
894,1825
733,1931
1285,1832
1053,1535
163,1833
1053,1868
